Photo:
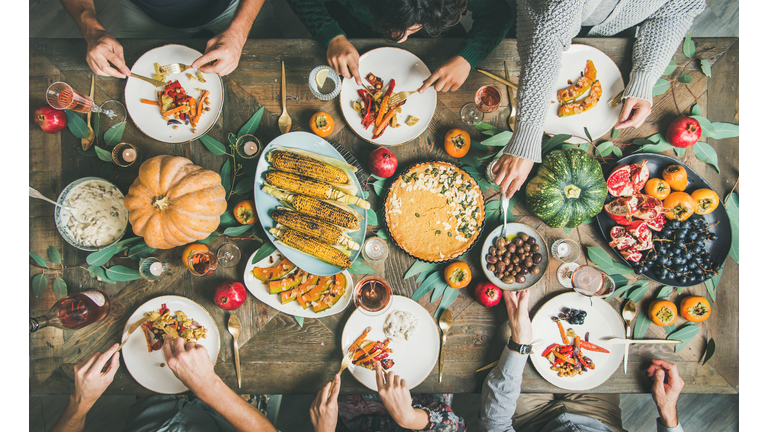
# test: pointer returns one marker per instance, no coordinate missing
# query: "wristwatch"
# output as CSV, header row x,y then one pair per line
x,y
522,349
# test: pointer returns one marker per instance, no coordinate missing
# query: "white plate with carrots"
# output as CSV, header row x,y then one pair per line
x,y
147,117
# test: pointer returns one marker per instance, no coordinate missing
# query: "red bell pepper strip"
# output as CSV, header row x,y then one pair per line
x,y
566,350
558,361
163,309
592,347
549,349
562,333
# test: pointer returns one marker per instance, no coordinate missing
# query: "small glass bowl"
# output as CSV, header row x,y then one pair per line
x,y
332,75
243,141
566,250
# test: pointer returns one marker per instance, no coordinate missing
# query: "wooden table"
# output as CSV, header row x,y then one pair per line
x,y
279,356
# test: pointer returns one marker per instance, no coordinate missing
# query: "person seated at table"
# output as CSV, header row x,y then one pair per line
x,y
544,31
331,22
392,409
232,22
502,406
213,408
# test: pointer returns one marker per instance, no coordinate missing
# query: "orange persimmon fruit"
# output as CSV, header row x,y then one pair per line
x,y
706,201
662,312
457,275
321,124
680,205
657,188
695,308
245,212
457,143
676,176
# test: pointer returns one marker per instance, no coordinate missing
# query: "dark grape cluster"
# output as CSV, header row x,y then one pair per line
x,y
680,252
573,316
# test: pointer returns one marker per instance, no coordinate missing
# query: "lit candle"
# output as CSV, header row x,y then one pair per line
x,y
156,269
129,155
250,148
563,249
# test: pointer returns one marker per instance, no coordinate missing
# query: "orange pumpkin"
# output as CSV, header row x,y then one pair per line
x,y
657,188
189,250
457,143
457,275
680,206
321,124
676,176
245,212
662,312
706,201
695,308
174,202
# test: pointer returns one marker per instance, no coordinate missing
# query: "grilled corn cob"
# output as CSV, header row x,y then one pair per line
x,y
310,246
316,208
321,230
313,188
288,161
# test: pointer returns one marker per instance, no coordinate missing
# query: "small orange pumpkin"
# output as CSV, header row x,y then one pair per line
x,y
695,308
680,205
457,275
457,143
174,202
657,188
706,201
676,176
321,124
662,312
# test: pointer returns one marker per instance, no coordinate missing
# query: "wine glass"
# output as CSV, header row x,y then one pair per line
x,y
62,96
228,255
487,100
590,281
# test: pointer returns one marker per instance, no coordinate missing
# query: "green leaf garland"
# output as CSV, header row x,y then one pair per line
x,y
732,209
225,173
359,267
665,292
707,130
39,283
236,230
705,153
252,124
59,288
641,325
120,273
689,49
418,267
498,140
671,67
213,145
660,87
114,134
449,296
685,78
103,154
724,130
244,186
487,129
39,260
686,334
264,251
706,68
54,255
427,285
76,125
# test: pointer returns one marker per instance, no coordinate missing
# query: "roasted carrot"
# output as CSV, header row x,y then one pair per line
x,y
360,340
382,110
562,333
178,109
149,102
380,128
592,347
564,358
363,351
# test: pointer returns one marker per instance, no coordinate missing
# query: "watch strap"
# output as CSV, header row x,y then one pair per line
x,y
522,349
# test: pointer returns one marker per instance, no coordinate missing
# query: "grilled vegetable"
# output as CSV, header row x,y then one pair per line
x,y
313,188
323,231
335,214
310,246
292,162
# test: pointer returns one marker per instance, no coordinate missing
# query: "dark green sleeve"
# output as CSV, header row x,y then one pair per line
x,y
315,17
491,20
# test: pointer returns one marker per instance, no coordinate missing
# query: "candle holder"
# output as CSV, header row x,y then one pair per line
x,y
124,154
152,268
248,146
566,250
375,249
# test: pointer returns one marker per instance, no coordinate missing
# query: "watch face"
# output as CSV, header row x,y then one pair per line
x,y
522,349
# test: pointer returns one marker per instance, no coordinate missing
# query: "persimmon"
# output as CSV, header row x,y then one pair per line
x,y
457,275
245,212
321,124
189,250
662,312
680,205
706,201
676,176
657,188
457,143
695,308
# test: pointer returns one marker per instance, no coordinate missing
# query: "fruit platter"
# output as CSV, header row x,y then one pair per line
x,y
668,226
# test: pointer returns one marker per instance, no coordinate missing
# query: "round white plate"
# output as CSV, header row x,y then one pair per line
x,y
147,117
409,73
514,228
265,202
602,321
146,367
600,119
260,290
414,359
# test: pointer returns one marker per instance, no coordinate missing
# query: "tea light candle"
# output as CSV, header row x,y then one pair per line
x,y
250,148
156,269
129,155
563,249
375,249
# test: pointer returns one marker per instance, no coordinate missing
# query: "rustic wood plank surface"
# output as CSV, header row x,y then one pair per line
x,y
278,355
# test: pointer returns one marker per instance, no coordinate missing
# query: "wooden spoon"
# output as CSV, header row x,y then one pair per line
x,y
284,121
88,140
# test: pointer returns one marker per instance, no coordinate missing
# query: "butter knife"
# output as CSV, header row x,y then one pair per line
x,y
131,329
620,341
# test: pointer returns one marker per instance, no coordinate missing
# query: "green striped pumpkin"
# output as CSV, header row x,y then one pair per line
x,y
568,188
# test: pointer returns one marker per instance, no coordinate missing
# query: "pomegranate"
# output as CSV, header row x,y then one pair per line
x,y
648,207
683,132
621,238
619,183
382,162
657,223
638,175
639,230
622,209
229,295
50,120
487,294
631,254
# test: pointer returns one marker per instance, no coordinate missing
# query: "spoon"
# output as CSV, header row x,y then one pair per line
x,y
504,208
234,328
35,194
284,121
86,142
512,103
628,313
446,321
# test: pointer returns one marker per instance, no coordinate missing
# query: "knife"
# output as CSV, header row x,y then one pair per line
x,y
132,329
620,341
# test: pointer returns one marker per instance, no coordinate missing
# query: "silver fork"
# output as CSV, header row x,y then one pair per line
x,y
174,68
616,99
535,345
344,364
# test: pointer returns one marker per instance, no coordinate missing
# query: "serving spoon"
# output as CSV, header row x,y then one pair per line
x,y
35,194
284,121
628,313
446,321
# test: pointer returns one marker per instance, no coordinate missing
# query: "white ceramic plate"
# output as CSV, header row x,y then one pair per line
x,y
602,321
265,202
409,73
260,290
146,367
147,117
414,359
513,229
600,119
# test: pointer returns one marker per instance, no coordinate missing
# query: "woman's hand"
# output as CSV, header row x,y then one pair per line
x,y
634,113
344,58
511,172
519,320
396,398
224,51
325,409
450,76
104,49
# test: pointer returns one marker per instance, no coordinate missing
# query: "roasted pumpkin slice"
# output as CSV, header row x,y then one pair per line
x,y
315,293
333,295
579,87
273,273
292,294
586,104
287,283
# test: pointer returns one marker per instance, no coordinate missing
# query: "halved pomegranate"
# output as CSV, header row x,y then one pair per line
x,y
621,238
622,209
639,230
619,181
657,223
631,254
648,207
639,175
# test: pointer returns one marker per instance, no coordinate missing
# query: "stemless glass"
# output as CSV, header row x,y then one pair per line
x,y
62,96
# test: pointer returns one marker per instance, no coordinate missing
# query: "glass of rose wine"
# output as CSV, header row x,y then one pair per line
x,y
62,96
592,282
487,100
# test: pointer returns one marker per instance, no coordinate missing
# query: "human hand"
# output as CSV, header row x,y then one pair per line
x,y
224,51
450,76
344,58
190,363
90,382
634,113
103,49
665,390
519,320
396,398
325,409
511,172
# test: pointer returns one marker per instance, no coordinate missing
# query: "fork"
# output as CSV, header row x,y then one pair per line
x,y
174,68
399,97
344,364
536,345
616,99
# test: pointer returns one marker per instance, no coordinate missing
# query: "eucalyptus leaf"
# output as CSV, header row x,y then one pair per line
x,y
225,173
264,251
643,141
472,161
244,186
103,256
725,130
605,148
114,135
641,325
95,127
427,285
493,205
586,131
76,125
101,274
59,288
732,209
476,146
660,87
669,329
710,351
440,288
359,267
686,334
236,230
377,188
696,110
588,221
499,140
418,267
619,280
689,49
209,239
711,286
555,141
227,219
654,148
383,234
615,133
214,146
39,260
584,146
373,218
448,297
106,169
679,152
620,290
705,153
39,284
617,152
377,177
252,124
487,129
638,293
232,139
707,69
600,257
103,154
707,130
300,320
665,292
679,290
685,78
120,273
54,255
88,153
567,231
671,67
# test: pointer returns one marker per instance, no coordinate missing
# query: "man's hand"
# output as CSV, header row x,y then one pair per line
x,y
396,398
511,172
190,363
665,390
634,113
90,382
450,76
224,51
519,320
325,409
344,58
103,49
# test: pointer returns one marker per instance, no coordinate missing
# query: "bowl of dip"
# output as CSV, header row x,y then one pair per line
x,y
100,204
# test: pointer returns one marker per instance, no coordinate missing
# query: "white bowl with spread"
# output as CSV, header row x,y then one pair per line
x,y
99,203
